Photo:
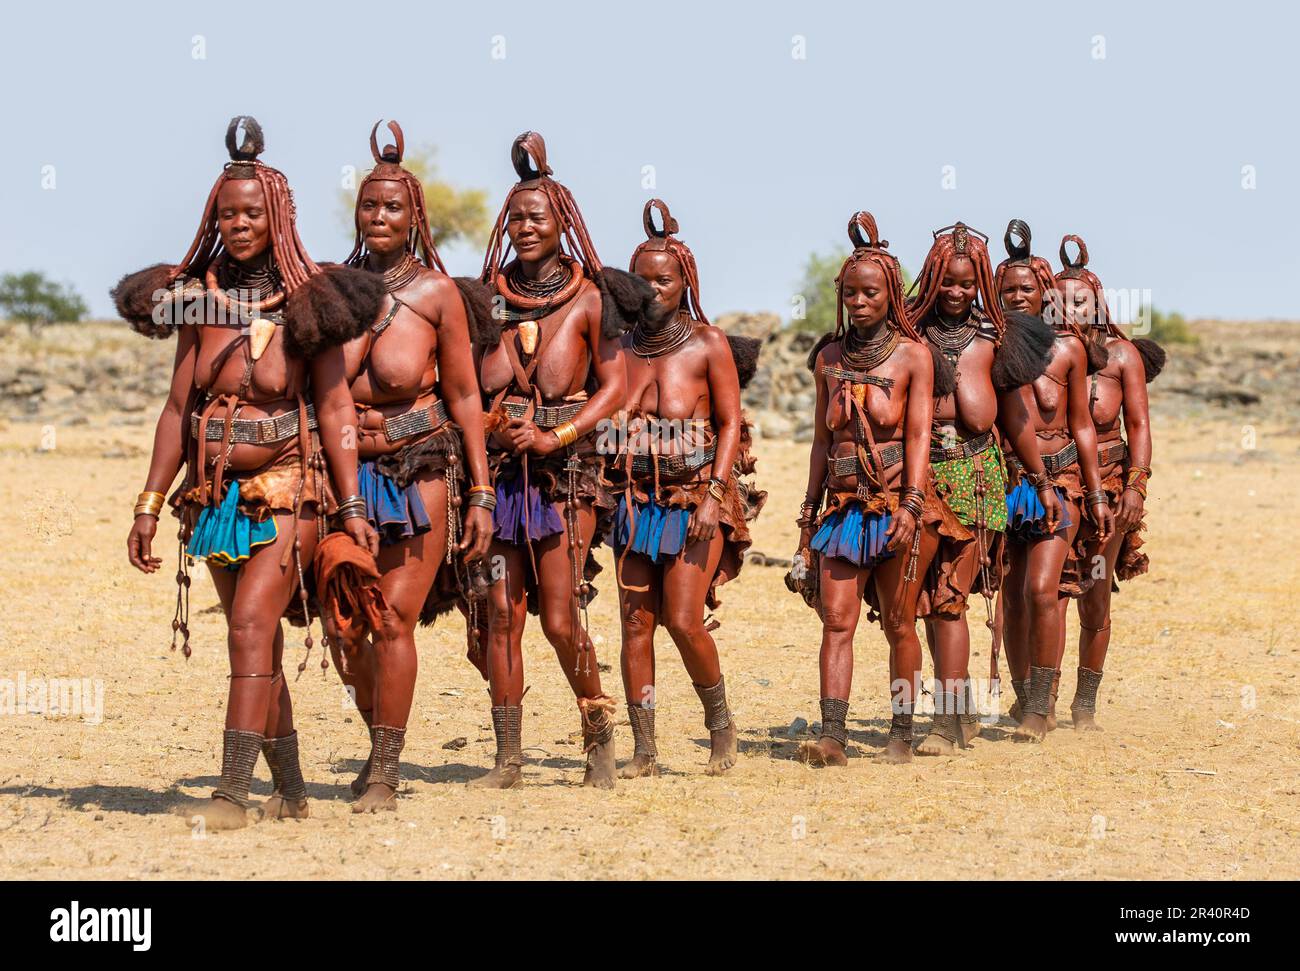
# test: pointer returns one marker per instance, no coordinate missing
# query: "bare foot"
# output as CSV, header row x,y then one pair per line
x,y
897,752
277,807
969,732
222,814
358,785
935,744
1051,708
1032,729
640,767
1015,713
1084,720
722,750
600,772
378,798
500,777
823,752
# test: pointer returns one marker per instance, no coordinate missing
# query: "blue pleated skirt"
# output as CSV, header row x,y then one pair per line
x,y
224,536
1025,513
660,530
849,534
522,514
394,512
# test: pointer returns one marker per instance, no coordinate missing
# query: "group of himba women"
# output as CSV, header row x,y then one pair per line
x,y
377,443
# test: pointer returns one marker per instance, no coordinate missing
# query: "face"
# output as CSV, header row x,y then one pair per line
x,y
866,294
384,216
1020,291
533,229
957,290
1080,303
242,219
664,274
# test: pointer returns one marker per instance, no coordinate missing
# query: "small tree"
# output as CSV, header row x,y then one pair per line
x,y
1169,328
817,291
455,215
36,301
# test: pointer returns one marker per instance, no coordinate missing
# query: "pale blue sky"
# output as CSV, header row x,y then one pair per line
x,y
761,156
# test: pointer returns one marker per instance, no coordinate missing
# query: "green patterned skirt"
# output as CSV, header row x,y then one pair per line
x,y
955,482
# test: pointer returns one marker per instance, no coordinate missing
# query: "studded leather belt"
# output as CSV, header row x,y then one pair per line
x,y
546,416
414,423
672,465
1051,463
962,450
1112,453
847,465
256,431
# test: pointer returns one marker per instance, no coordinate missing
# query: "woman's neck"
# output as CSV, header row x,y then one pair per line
x,y
381,262
541,269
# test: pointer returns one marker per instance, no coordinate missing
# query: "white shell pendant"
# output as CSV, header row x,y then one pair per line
x,y
528,335
260,332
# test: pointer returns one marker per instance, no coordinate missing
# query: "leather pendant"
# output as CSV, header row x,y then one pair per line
x,y
260,332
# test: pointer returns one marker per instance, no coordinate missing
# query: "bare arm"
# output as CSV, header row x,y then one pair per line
x,y
1137,426
817,455
1016,425
724,396
337,415
1079,417
916,442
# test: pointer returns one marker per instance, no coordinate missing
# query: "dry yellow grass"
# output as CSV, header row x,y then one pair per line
x,y
1202,675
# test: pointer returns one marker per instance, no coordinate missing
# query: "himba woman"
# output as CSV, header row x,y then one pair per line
x,y
419,433
1117,396
680,530
956,311
555,375
258,415
1041,537
881,521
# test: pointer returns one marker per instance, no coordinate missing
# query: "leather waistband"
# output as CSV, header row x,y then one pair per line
x,y
671,465
847,465
256,431
1112,453
416,422
1051,463
546,416
962,450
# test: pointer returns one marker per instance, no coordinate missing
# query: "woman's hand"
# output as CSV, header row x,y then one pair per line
x,y
805,537
362,533
139,544
476,535
704,521
1052,510
1105,520
902,527
524,436
1129,515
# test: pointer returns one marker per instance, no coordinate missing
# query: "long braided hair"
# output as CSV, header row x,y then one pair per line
x,y
868,247
291,259
664,240
388,168
1077,269
528,155
950,243
1019,254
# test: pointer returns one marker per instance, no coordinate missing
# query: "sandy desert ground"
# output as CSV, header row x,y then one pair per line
x,y
1193,778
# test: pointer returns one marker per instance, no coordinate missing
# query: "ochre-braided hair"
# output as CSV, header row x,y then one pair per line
x,y
868,247
1019,254
664,241
528,154
1077,269
950,243
388,168
291,258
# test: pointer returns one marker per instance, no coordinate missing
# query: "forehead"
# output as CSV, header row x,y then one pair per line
x,y
1074,288
1020,275
864,273
657,262
530,201
960,266
241,192
384,190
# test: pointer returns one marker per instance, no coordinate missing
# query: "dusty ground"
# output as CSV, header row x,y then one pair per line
x,y
1194,777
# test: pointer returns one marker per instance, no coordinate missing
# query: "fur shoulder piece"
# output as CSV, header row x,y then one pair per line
x,y
623,300
1098,356
484,329
1024,351
822,341
332,308
745,351
1153,357
134,298
945,375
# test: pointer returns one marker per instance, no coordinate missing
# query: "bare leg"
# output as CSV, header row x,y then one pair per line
x,y
841,585
507,613
1094,639
949,638
898,599
639,610
1015,624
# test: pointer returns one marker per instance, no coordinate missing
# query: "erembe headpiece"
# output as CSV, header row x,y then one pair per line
x,y
388,168
663,239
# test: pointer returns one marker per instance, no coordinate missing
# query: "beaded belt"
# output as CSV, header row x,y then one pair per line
x,y
546,416
1112,453
670,465
964,450
1051,463
415,422
847,465
256,431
